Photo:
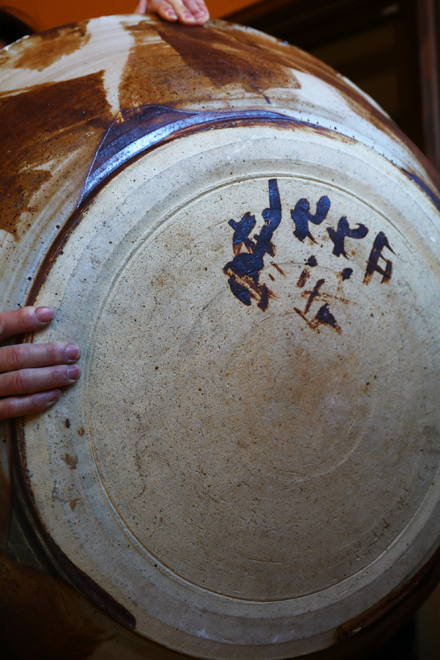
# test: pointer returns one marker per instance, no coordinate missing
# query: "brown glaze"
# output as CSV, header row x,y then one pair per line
x,y
145,76
286,55
303,278
220,57
198,64
40,126
71,461
46,48
279,269
224,59
302,61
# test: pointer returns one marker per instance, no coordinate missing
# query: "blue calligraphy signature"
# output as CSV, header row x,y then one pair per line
x,y
244,270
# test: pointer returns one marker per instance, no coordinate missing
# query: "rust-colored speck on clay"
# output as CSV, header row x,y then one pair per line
x,y
71,461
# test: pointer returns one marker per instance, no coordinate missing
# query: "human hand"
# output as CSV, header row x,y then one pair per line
x,y
31,374
188,12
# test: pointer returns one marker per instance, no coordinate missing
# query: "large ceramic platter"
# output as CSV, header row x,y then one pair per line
x,y
251,267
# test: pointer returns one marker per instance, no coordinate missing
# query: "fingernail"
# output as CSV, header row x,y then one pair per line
x,y
188,17
73,352
73,372
44,314
53,396
171,13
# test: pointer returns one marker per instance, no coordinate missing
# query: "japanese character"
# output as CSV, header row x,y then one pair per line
x,y
380,242
343,231
242,231
323,315
301,216
244,270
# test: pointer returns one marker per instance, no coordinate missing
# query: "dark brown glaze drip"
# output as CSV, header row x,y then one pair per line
x,y
276,51
48,47
43,125
258,45
220,55
193,65
225,59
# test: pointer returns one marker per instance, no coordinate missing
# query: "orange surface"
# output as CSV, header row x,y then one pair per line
x,y
45,14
